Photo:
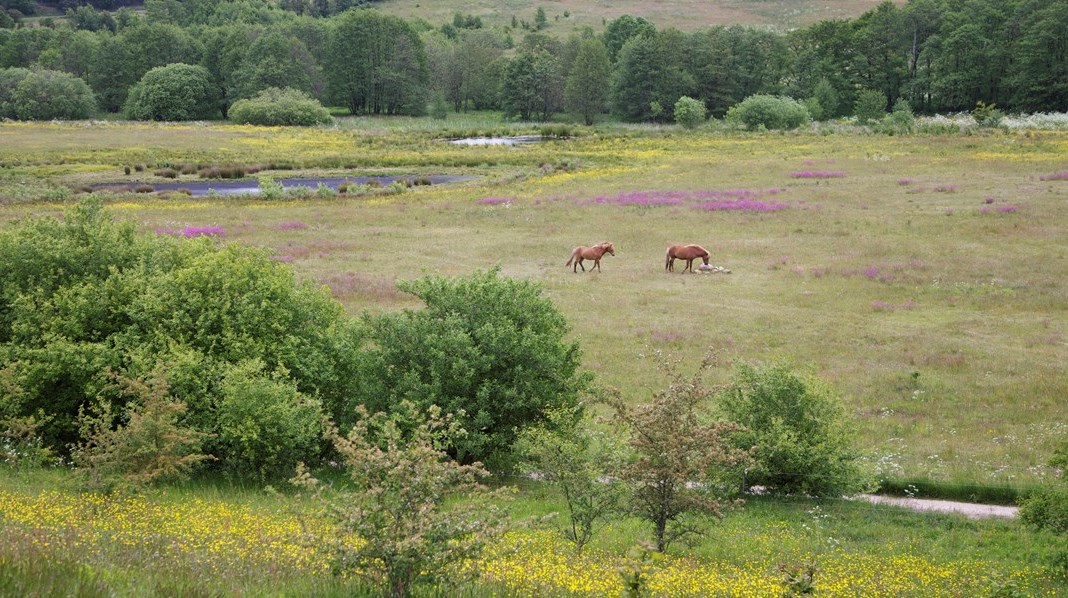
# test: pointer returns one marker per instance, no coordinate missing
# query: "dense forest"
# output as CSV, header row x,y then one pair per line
x,y
938,55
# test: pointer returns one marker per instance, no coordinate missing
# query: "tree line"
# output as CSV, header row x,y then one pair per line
x,y
936,55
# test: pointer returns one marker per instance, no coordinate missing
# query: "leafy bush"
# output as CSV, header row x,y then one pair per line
x,y
987,115
870,106
265,425
176,91
280,107
489,346
690,112
414,512
901,120
1047,508
769,112
799,431
9,80
85,295
582,465
150,447
45,95
680,456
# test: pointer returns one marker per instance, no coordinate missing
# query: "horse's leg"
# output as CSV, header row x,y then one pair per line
x,y
579,262
689,265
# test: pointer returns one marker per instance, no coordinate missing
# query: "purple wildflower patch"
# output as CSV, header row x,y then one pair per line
x,y
292,226
282,258
741,205
743,200
1057,176
495,201
1008,209
202,231
817,174
904,182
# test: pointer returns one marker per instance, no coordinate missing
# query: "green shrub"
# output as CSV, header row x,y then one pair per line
x,y
489,346
401,525
147,447
174,92
987,115
901,120
769,112
265,425
47,95
798,428
9,80
84,295
690,112
280,107
870,106
1047,508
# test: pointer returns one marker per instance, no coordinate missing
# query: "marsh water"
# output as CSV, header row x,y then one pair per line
x,y
251,186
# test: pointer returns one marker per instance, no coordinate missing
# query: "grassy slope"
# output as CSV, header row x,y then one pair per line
x,y
943,326
687,15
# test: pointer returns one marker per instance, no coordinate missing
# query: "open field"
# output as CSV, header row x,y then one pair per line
x,y
686,15
923,277
221,540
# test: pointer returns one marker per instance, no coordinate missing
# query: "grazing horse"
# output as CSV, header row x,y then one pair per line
x,y
589,253
684,252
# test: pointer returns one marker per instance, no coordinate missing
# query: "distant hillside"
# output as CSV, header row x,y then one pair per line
x,y
687,15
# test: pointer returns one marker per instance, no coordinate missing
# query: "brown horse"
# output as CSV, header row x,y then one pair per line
x,y
684,252
589,253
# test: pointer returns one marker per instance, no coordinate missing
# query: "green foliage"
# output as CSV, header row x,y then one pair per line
x,y
827,98
798,578
622,29
690,112
275,60
769,112
651,69
680,456
987,115
9,81
870,106
173,93
376,64
901,121
148,447
265,425
416,513
531,85
1047,507
280,107
21,445
802,443
586,91
85,295
45,95
491,347
582,465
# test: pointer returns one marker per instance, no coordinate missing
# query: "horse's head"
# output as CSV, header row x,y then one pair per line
x,y
609,248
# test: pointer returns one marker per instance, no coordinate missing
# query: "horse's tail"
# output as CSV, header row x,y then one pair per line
x,y
667,258
570,259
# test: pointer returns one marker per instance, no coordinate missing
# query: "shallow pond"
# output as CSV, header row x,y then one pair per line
x,y
517,140
252,186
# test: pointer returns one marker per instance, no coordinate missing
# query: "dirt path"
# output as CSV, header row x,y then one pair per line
x,y
970,510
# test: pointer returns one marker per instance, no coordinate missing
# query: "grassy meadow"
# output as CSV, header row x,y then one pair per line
x,y
924,277
687,15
